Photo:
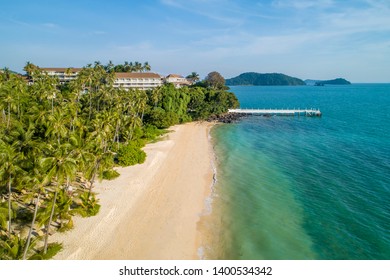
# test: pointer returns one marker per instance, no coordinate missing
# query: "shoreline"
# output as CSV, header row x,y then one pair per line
x,y
203,228
152,210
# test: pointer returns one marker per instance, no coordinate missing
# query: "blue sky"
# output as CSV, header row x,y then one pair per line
x,y
321,39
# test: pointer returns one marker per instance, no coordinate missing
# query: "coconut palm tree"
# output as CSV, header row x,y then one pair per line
x,y
8,99
9,161
126,67
110,67
6,73
146,67
85,80
36,182
137,67
45,89
31,70
59,166
57,125
99,144
79,150
193,77
14,247
156,96
28,241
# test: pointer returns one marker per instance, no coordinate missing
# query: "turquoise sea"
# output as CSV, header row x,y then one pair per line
x,y
301,187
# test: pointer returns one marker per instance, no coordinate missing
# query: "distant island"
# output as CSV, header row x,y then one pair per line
x,y
268,79
338,81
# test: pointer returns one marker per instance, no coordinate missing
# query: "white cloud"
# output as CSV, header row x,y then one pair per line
x,y
138,47
50,25
216,10
303,4
99,32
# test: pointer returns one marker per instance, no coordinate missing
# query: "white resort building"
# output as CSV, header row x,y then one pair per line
x,y
177,80
63,74
138,80
126,80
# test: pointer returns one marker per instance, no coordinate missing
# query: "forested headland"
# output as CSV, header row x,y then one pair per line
x,y
268,79
57,139
338,81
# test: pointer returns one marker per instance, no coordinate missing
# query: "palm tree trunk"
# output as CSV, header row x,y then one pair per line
x,y
31,227
116,136
142,116
131,130
90,106
18,107
49,223
93,177
9,207
75,116
9,114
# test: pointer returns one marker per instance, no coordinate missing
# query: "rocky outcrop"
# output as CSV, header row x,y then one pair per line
x,y
226,118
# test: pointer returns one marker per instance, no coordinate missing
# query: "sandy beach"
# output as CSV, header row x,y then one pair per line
x,y
151,211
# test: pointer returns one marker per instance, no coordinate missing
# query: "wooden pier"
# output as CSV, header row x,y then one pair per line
x,y
279,112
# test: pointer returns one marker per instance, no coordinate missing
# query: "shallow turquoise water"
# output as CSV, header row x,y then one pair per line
x,y
306,188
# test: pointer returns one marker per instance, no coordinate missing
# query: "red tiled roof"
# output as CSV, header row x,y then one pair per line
x,y
174,76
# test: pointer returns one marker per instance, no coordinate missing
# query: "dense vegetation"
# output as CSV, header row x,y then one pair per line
x,y
57,139
270,79
128,67
338,81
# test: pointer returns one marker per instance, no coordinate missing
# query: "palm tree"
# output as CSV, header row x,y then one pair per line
x,y
45,88
25,144
146,67
156,96
14,248
59,166
9,159
79,150
98,144
137,67
141,102
31,70
131,67
126,67
110,66
6,72
28,241
36,182
3,215
57,125
8,100
193,76
20,88
85,80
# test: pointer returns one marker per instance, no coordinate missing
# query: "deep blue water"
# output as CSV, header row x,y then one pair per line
x,y
301,187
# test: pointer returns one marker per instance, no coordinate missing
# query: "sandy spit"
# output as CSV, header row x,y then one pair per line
x,y
152,210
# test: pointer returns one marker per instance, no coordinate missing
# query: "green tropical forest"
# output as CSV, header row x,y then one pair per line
x,y
268,79
57,139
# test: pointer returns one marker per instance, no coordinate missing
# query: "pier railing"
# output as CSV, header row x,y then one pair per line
x,y
279,112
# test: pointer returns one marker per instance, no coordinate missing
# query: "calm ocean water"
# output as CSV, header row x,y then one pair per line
x,y
304,188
